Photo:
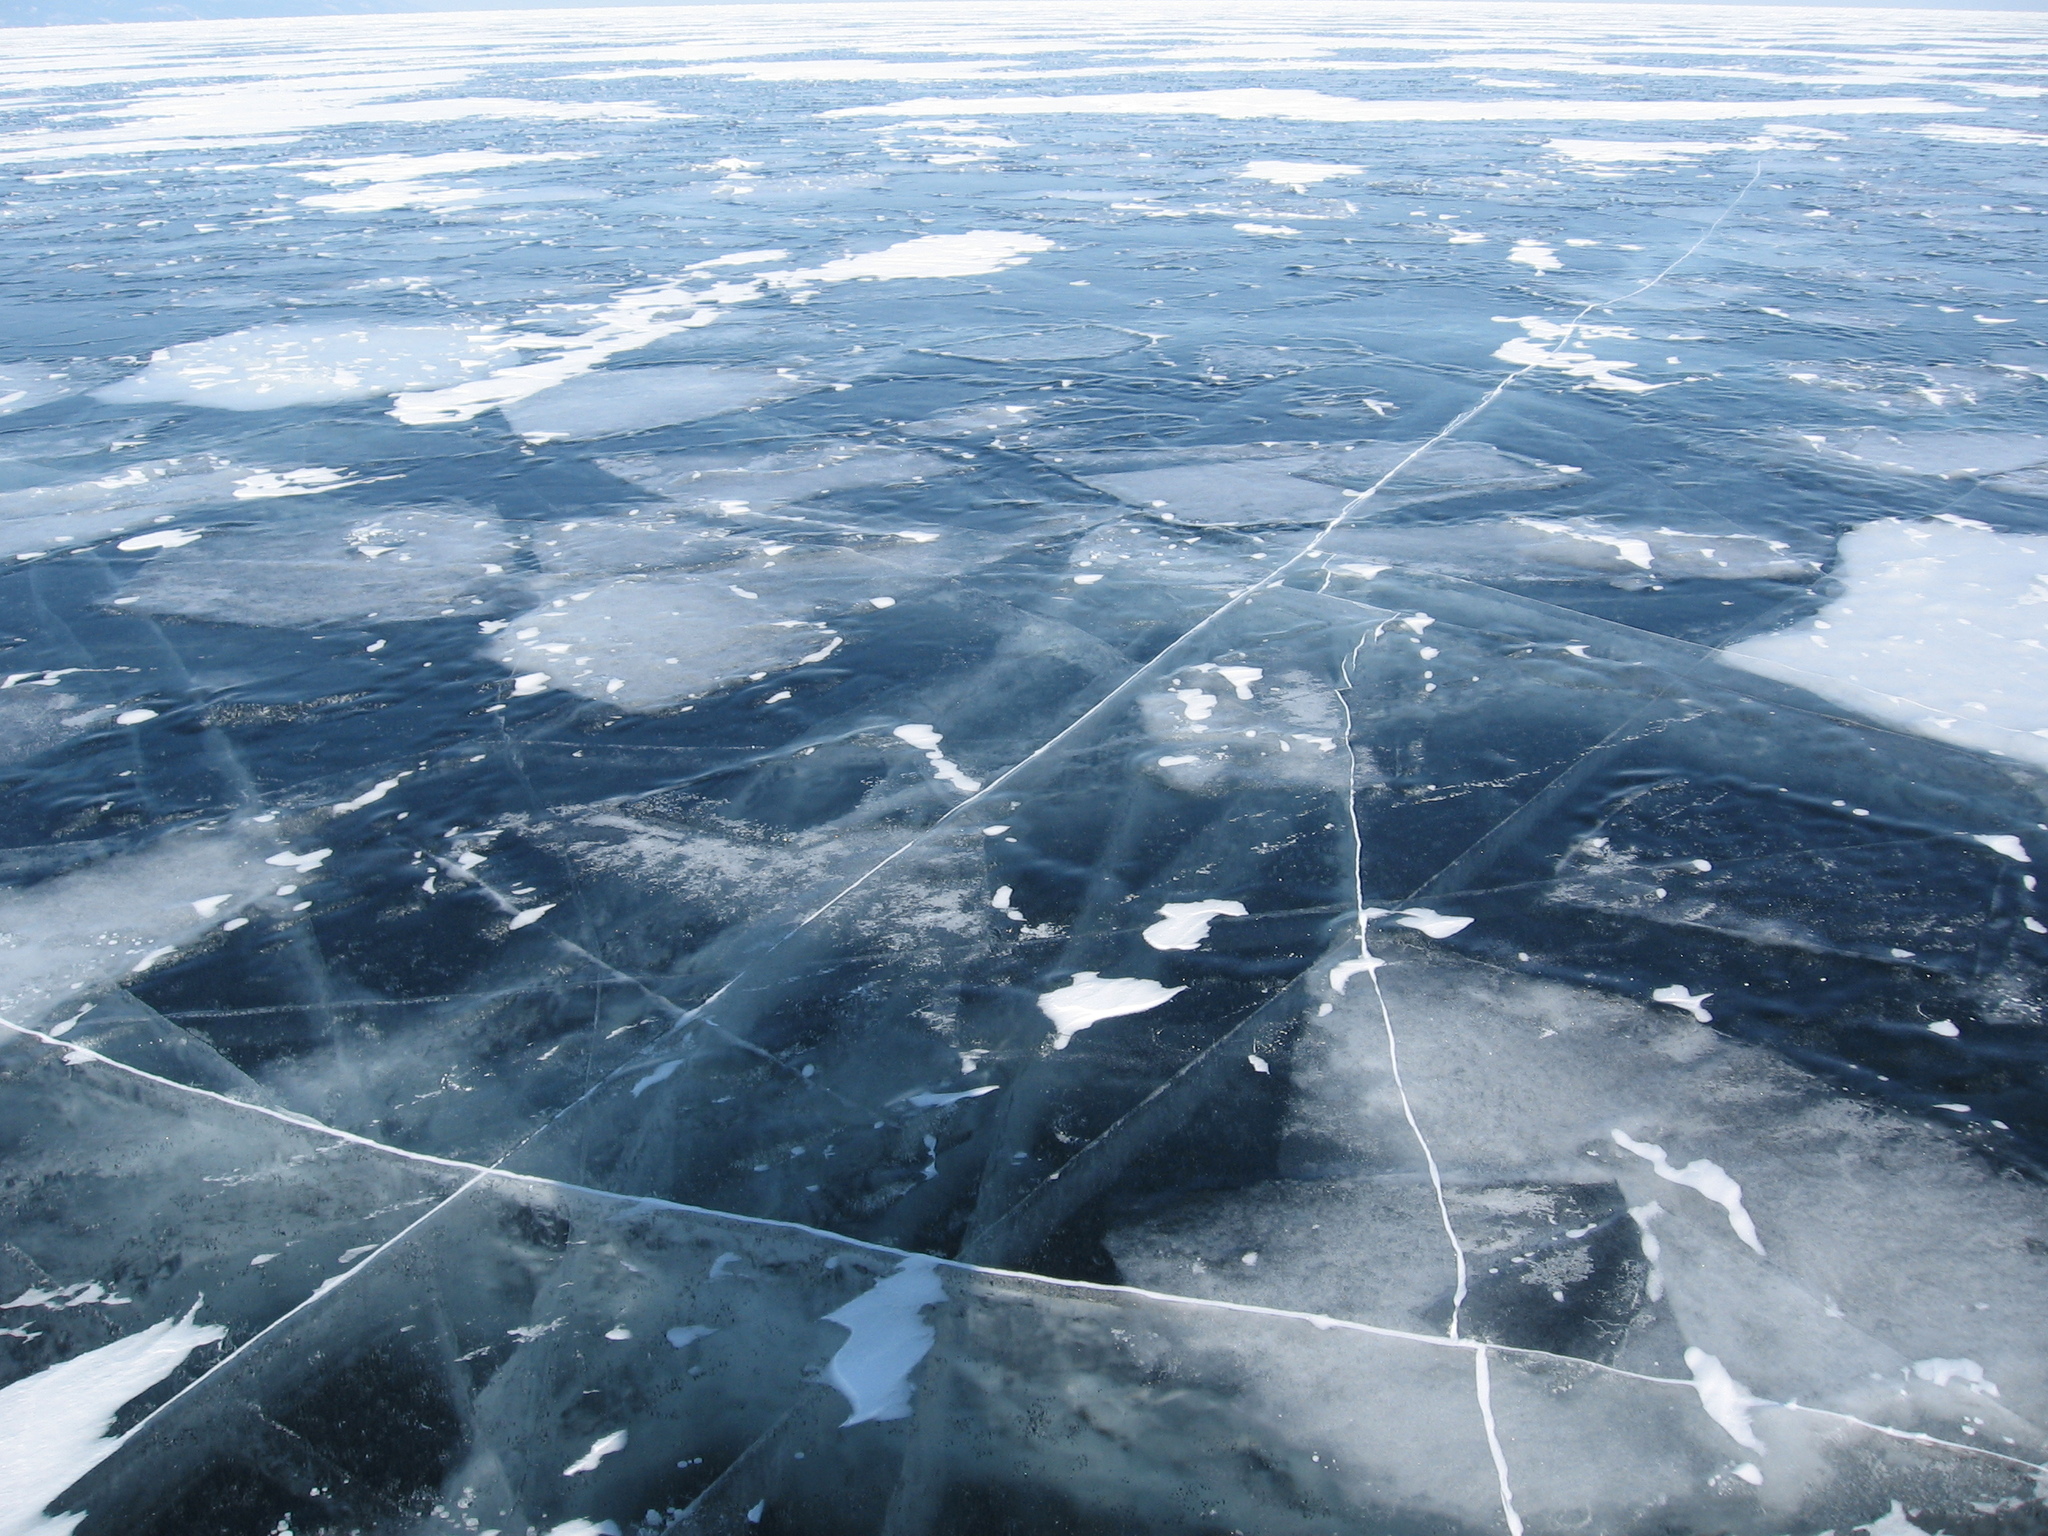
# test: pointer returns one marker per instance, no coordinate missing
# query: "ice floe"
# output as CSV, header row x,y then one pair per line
x,y
272,367
1940,628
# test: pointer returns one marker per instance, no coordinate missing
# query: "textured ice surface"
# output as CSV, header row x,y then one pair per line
x,y
940,769
273,367
331,566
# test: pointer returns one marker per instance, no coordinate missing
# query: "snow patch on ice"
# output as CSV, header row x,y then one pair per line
x,y
385,182
53,1425
608,1445
941,1100
635,318
1548,345
888,1337
1298,174
1946,1372
1941,628
1691,1002
1436,925
1709,1178
1973,133
2005,843
267,484
975,253
304,863
1727,1402
1091,997
1185,924
660,1074
1342,972
927,740
61,1298
166,538
1634,151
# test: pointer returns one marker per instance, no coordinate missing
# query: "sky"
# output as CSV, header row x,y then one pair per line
x,y
69,12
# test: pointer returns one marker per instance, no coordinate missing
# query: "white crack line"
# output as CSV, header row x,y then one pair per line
x,y
1319,1321
1482,1380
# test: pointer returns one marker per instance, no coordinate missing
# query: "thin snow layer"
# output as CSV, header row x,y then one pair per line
x,y
216,114
1517,1084
1060,344
1977,133
54,1425
39,713
729,483
1298,174
621,400
44,519
635,318
652,642
382,182
1319,107
1565,549
888,1337
23,387
1185,924
1560,347
273,366
415,563
1263,483
646,539
1941,628
63,937
1634,151
1219,737
1091,997
974,253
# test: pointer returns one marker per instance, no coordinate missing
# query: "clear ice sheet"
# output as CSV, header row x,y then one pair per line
x,y
941,769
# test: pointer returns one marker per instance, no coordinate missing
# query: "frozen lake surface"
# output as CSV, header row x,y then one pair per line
x,y
988,769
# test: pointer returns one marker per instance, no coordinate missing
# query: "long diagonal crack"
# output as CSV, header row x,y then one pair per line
x,y
483,1174
1367,962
